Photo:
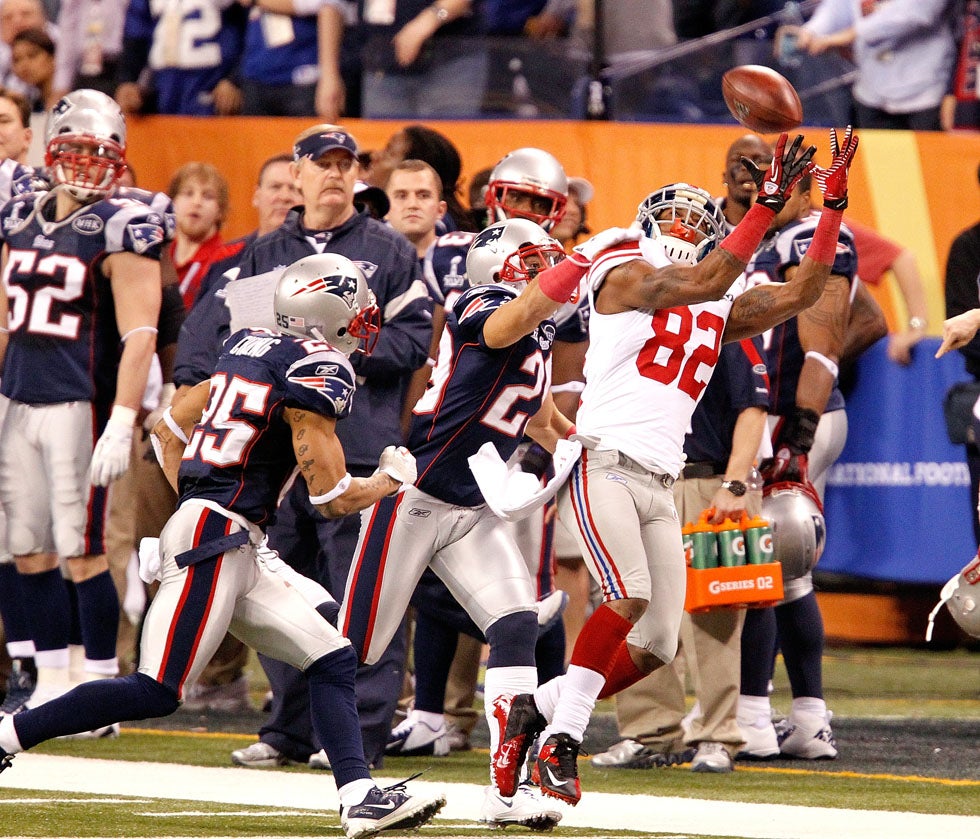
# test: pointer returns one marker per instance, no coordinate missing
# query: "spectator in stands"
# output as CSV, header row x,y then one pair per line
x,y
961,105
15,127
962,271
572,226
32,60
200,195
90,57
16,16
423,59
419,142
477,192
193,58
903,50
292,62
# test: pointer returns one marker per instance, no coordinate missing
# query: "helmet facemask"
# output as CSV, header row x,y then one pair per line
x,y
512,252
85,144
684,219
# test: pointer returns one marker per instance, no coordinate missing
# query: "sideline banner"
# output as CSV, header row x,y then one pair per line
x,y
898,503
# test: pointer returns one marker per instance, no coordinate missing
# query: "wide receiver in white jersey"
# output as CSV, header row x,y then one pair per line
x,y
661,309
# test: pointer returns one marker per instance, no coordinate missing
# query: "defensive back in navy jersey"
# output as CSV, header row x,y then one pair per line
x,y
477,394
243,430
62,318
784,355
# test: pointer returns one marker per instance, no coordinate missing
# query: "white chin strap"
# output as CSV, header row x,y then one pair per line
x,y
945,596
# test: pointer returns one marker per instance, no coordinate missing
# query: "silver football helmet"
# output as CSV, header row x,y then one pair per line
x,y
799,532
513,252
85,143
325,297
685,219
532,172
961,595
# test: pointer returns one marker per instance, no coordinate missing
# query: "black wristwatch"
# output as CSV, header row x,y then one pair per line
x,y
736,488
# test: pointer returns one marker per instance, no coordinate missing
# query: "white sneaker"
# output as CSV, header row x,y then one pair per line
x,y
319,760
807,736
528,808
623,754
414,737
259,755
712,757
761,742
104,732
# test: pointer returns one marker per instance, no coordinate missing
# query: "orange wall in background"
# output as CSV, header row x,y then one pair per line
x,y
920,189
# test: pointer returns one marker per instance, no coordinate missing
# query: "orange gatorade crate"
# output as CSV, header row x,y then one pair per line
x,y
734,586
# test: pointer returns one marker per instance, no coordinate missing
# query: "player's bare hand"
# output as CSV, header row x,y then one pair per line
x,y
959,331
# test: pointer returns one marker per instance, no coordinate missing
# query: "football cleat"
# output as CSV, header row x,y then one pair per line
x,y
807,736
20,688
556,769
231,698
761,742
519,723
390,808
414,738
528,808
5,760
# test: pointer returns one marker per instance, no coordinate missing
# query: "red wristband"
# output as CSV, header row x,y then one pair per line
x,y
745,239
823,246
559,282
571,430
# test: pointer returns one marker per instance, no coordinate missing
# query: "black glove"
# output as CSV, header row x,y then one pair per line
x,y
776,183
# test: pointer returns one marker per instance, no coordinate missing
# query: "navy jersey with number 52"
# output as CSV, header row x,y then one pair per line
x,y
64,344
476,394
243,431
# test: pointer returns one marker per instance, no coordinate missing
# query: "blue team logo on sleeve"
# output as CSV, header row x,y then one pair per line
x,y
325,380
145,237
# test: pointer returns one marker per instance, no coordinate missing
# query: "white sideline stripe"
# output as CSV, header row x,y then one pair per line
x,y
604,811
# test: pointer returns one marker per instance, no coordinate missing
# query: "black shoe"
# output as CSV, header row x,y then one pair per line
x,y
519,723
556,769
5,760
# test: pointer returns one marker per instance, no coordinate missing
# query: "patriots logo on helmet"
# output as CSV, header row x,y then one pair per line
x,y
62,107
145,236
339,284
488,237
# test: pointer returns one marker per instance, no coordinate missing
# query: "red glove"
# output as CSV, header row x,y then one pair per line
x,y
787,167
785,466
833,179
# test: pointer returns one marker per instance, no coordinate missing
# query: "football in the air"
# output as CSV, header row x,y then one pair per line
x,y
761,99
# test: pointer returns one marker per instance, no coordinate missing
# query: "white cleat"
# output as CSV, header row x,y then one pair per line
x,y
413,738
528,808
807,736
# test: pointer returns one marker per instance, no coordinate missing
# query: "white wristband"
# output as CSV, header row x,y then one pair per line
x,y
177,431
122,415
327,497
136,329
826,362
568,387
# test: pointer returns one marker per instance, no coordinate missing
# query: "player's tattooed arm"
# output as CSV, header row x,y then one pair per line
x,y
764,306
320,458
639,285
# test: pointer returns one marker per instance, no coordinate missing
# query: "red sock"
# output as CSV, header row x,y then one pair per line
x,y
600,639
622,674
